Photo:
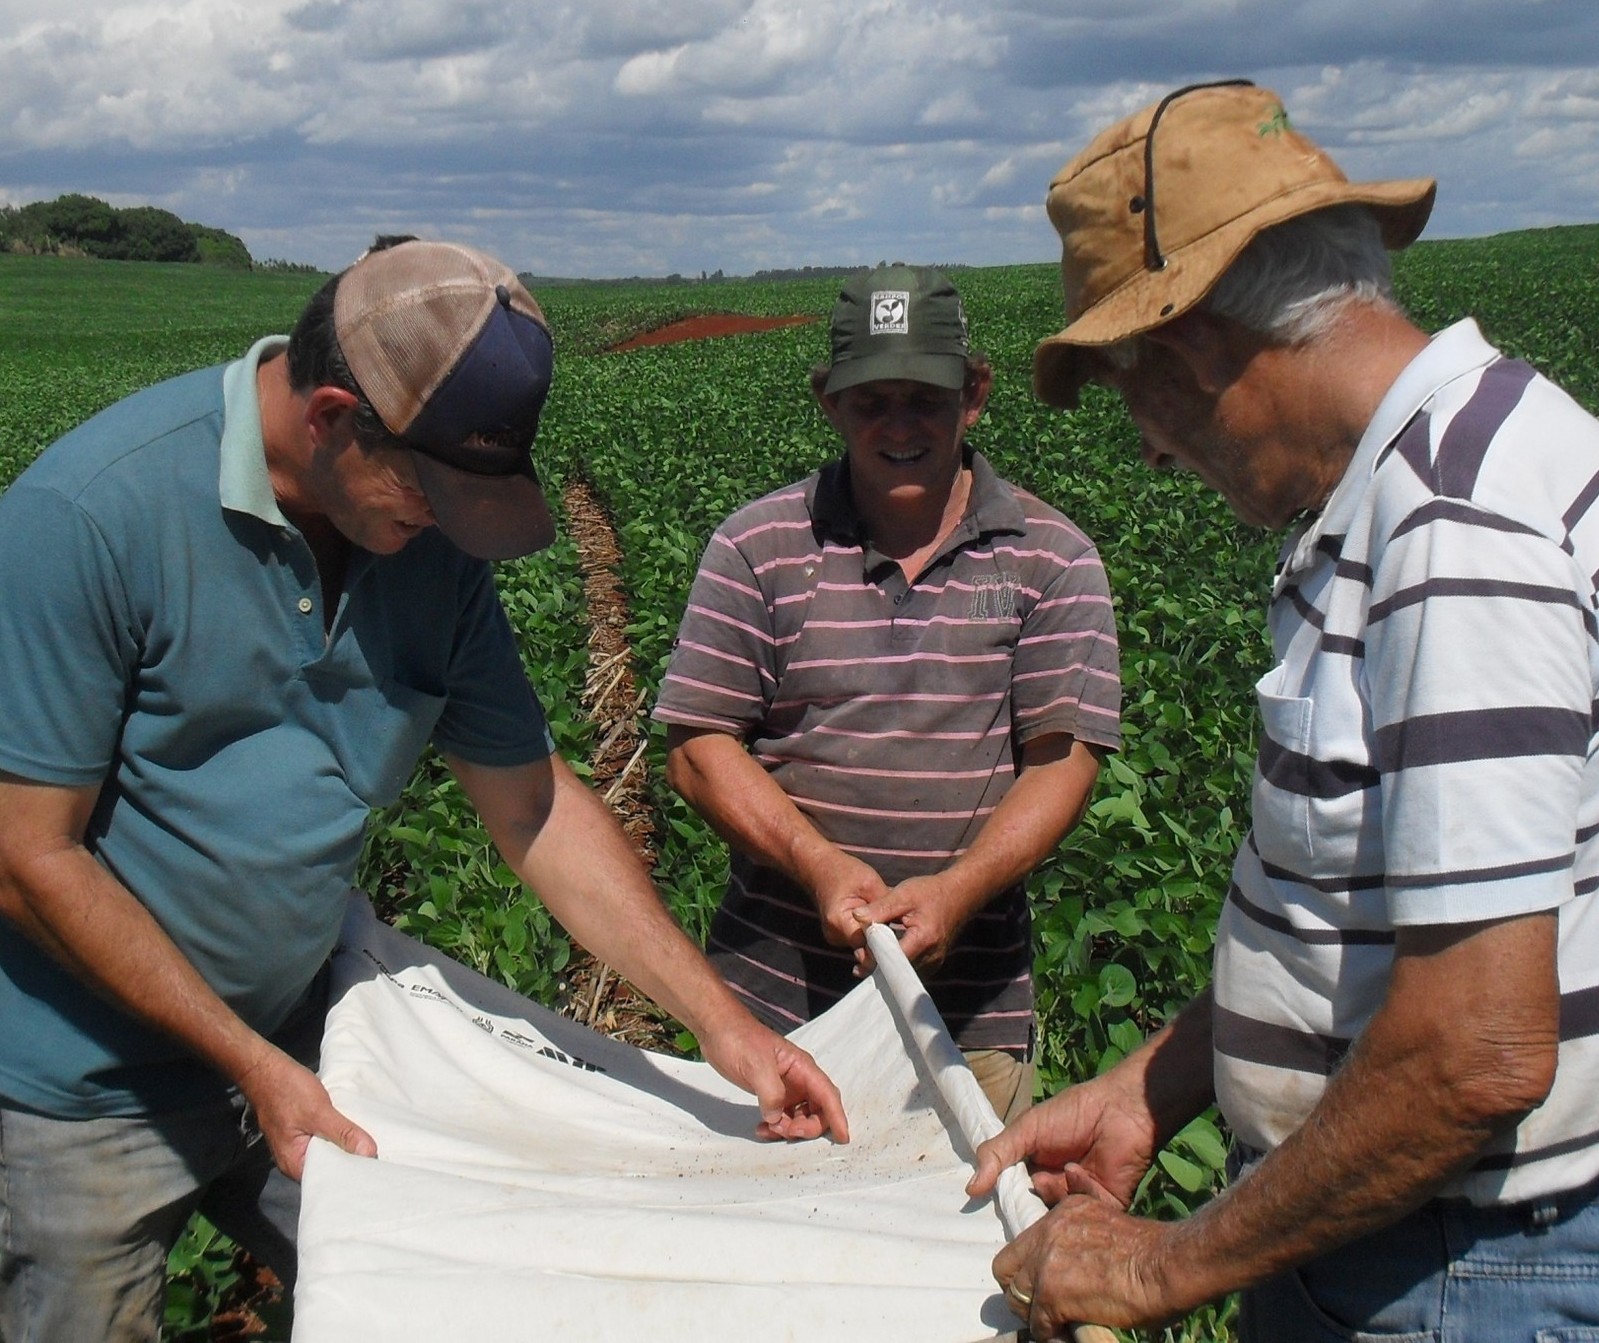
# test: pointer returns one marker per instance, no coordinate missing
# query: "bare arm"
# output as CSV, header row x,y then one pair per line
x,y
1462,1048
746,807
53,890
565,844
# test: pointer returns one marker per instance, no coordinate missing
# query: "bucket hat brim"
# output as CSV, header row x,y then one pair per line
x,y
1112,294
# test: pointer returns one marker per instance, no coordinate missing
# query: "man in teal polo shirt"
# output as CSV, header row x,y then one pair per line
x,y
234,609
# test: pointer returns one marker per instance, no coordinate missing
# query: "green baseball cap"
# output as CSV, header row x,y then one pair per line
x,y
898,322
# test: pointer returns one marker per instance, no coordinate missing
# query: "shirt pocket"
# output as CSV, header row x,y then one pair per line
x,y
1282,787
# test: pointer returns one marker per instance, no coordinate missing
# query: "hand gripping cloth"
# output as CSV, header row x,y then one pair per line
x,y
536,1180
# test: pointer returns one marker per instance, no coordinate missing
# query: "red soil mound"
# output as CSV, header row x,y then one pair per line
x,y
706,327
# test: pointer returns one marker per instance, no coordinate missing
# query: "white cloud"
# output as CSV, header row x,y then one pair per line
x,y
956,108
768,44
761,132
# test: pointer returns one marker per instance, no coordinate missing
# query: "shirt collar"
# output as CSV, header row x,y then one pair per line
x,y
1454,351
991,507
245,484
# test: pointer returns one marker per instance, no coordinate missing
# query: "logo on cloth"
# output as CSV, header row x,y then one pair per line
x,y
891,312
548,1051
994,597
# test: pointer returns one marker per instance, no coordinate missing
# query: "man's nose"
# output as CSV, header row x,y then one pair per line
x,y
1153,457
901,421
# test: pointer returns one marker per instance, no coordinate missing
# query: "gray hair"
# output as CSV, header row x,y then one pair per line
x,y
1294,278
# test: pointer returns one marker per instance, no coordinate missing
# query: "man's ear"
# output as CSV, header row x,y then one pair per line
x,y
325,409
979,382
1208,345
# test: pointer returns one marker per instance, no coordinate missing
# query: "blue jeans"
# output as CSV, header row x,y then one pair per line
x,y
1448,1273
90,1208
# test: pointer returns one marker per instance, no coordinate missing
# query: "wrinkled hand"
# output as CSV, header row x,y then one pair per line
x,y
927,914
292,1107
1088,1261
797,1099
1096,1138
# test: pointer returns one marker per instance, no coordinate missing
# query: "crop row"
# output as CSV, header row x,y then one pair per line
x,y
674,437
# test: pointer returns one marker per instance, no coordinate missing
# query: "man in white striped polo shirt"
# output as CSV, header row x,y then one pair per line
x,y
891,691
1403,1031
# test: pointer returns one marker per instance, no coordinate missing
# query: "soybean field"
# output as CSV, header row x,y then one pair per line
x,y
671,438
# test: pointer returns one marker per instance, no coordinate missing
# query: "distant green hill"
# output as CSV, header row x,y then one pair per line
x,y
85,225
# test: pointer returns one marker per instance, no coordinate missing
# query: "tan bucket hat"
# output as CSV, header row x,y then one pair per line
x,y
1155,209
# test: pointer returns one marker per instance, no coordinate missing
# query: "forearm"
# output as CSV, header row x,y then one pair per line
x,y
1048,799
564,843
580,862
73,908
1428,1083
1174,1070
716,776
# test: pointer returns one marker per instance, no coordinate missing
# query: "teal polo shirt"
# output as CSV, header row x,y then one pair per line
x,y
162,639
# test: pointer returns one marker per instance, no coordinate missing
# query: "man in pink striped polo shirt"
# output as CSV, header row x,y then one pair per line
x,y
891,692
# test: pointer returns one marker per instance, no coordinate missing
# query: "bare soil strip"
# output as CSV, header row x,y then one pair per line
x,y
708,327
615,705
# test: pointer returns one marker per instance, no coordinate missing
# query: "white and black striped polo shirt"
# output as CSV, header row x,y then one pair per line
x,y
1427,748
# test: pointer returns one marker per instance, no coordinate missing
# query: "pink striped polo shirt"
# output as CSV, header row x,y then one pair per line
x,y
889,712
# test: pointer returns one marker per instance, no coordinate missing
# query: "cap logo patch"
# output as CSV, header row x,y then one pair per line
x,y
891,312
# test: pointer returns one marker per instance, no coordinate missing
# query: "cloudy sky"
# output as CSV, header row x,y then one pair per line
x,y
643,137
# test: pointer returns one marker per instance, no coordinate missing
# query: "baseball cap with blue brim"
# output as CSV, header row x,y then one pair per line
x,y
456,358
898,322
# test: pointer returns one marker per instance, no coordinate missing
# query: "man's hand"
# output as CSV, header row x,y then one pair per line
x,y
928,914
1087,1148
1055,779
1098,1138
292,1106
796,1097
1087,1261
844,889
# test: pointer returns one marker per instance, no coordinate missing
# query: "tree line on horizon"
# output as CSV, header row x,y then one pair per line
x,y
537,282
79,225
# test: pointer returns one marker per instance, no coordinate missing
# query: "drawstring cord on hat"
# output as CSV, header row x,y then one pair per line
x,y
1145,204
